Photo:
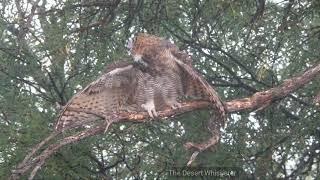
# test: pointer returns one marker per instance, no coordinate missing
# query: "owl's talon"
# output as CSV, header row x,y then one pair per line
x,y
154,112
150,108
150,113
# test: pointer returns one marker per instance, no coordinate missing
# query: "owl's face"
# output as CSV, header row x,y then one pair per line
x,y
143,46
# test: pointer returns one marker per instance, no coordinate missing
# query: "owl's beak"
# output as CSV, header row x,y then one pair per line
x,y
139,60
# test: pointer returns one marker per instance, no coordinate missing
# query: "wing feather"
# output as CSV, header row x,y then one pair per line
x,y
118,77
194,77
101,97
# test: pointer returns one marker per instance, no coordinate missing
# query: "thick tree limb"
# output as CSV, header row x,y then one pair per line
x,y
258,100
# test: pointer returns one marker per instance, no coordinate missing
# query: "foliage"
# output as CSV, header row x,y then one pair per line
x,y
51,49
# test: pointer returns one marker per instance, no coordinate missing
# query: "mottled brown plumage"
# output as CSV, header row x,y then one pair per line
x,y
101,99
165,59
164,81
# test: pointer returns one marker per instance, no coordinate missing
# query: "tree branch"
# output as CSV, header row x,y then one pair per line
x,y
257,100
260,99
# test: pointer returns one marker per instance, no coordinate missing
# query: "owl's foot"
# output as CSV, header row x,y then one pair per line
x,y
150,108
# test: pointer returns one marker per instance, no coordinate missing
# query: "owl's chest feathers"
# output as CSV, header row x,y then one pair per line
x,y
163,62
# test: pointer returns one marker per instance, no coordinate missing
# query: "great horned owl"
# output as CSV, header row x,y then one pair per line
x,y
164,60
161,84
123,86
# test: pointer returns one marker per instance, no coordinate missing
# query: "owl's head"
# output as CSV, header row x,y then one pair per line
x,y
144,47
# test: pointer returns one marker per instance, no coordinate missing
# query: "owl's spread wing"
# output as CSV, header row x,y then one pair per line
x,y
116,78
99,99
193,80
